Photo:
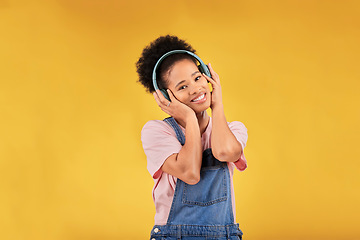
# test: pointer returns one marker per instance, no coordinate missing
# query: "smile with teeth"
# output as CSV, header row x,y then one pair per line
x,y
200,98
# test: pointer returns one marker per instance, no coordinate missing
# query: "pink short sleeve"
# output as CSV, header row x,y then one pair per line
x,y
240,132
159,142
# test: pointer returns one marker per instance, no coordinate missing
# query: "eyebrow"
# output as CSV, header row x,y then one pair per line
x,y
185,80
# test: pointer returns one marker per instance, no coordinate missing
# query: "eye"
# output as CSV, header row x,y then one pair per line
x,y
182,87
197,78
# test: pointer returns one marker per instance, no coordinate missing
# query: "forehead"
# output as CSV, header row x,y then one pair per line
x,y
182,70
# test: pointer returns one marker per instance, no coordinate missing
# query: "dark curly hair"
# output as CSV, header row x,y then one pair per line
x,y
152,53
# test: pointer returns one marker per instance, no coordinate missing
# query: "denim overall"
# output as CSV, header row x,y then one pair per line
x,y
203,210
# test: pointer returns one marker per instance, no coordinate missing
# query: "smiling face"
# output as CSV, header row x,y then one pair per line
x,y
189,86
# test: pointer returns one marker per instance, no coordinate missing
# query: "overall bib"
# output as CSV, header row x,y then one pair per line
x,y
203,210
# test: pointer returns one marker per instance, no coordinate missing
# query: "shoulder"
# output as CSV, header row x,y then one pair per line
x,y
155,126
156,130
159,142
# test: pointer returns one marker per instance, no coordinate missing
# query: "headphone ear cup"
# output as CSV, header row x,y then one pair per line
x,y
207,71
166,95
204,69
201,69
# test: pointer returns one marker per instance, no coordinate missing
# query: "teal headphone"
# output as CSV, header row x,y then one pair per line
x,y
202,68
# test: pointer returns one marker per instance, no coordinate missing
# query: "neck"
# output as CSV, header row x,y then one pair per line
x,y
203,120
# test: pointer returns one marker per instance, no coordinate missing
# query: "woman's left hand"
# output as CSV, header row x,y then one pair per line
x,y
216,95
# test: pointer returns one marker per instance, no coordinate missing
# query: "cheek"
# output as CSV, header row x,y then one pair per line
x,y
206,84
207,87
180,96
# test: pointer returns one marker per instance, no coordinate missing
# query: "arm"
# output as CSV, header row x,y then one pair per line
x,y
224,144
186,164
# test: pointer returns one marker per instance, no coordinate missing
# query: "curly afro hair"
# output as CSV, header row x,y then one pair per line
x,y
152,53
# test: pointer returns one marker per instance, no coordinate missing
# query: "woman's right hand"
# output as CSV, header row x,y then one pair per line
x,y
185,164
175,108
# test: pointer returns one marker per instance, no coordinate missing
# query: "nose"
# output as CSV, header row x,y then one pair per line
x,y
195,88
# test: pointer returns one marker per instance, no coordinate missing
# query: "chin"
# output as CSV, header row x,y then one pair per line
x,y
200,109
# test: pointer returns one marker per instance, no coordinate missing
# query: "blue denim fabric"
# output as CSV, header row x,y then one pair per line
x,y
179,134
203,210
196,232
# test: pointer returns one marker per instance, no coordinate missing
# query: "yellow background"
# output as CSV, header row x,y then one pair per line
x,y
71,161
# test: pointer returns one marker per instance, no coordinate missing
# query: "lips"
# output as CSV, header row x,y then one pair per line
x,y
199,99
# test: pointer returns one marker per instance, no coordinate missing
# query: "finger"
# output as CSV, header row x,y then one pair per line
x,y
212,81
171,95
157,99
161,103
213,73
166,102
161,97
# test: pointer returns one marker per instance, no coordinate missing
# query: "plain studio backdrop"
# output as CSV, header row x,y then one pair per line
x,y
72,165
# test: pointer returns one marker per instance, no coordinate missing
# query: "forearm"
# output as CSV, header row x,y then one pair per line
x,y
225,146
190,155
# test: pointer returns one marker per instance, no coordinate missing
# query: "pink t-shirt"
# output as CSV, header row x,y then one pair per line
x,y
159,142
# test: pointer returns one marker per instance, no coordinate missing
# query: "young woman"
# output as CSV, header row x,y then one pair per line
x,y
191,156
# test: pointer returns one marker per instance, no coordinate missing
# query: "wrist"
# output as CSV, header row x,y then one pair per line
x,y
217,108
189,118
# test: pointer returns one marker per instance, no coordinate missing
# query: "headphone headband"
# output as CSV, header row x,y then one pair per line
x,y
203,67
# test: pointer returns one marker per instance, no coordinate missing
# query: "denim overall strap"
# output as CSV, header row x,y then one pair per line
x,y
179,134
203,210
